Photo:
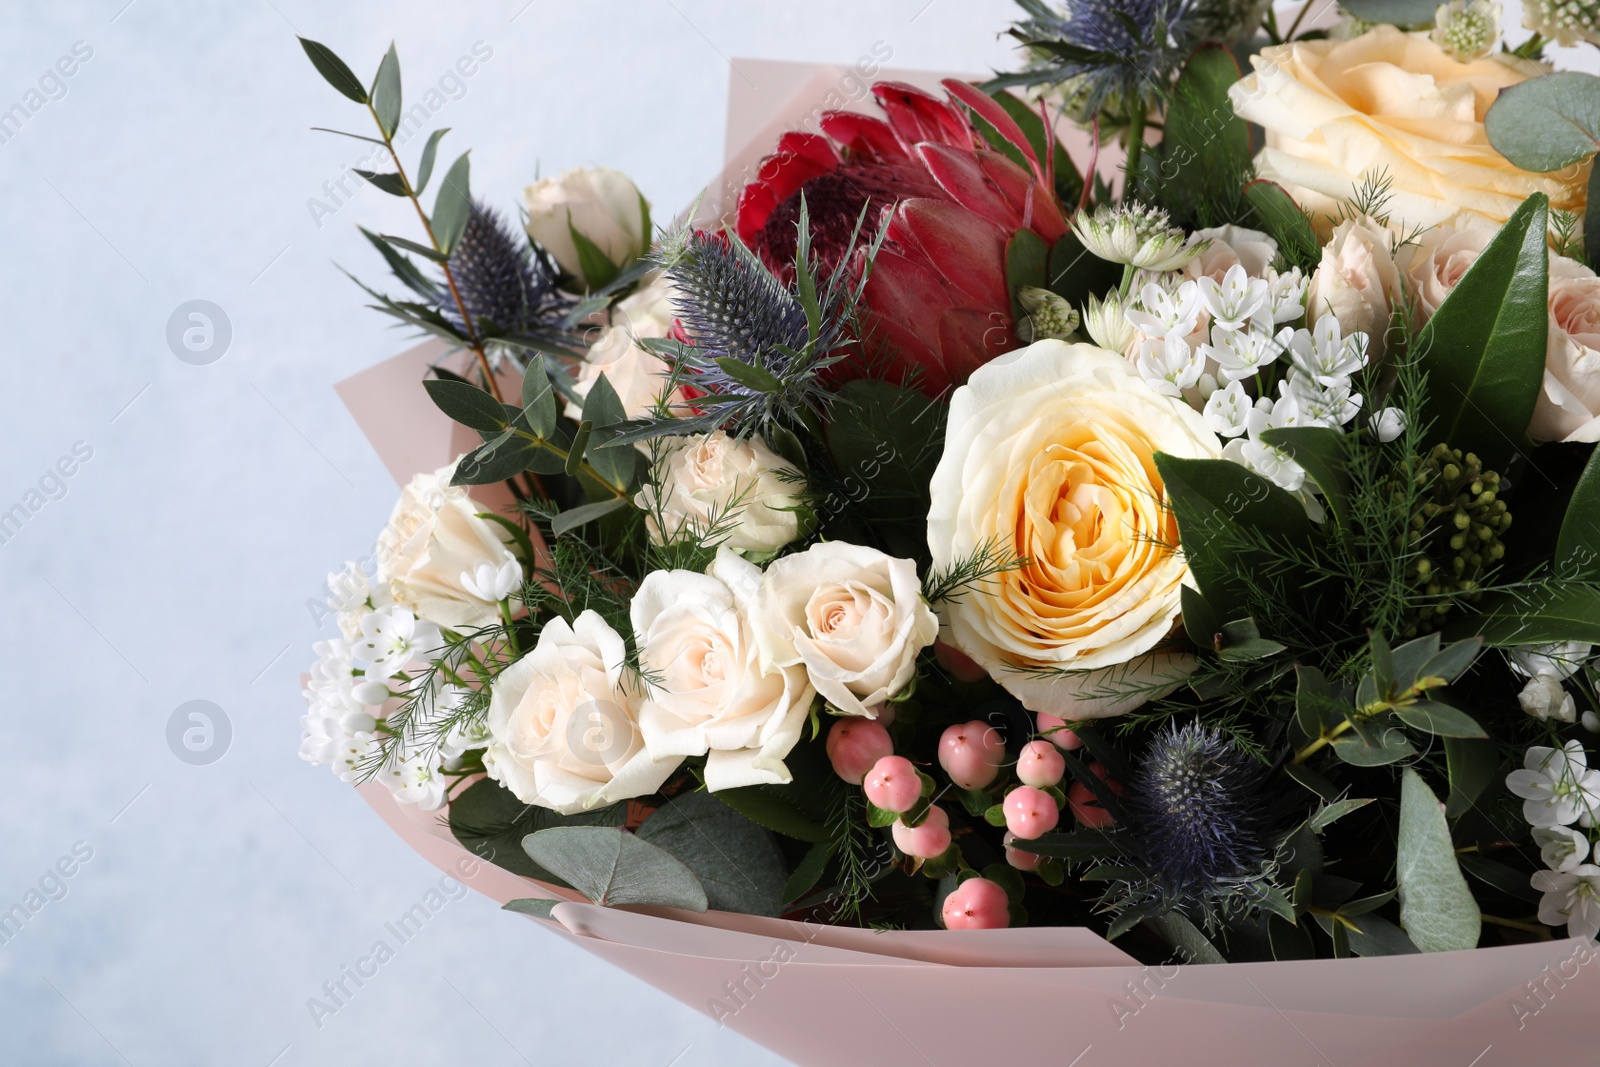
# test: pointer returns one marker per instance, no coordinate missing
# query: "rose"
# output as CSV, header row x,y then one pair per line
x,y
601,206
1357,282
1229,246
1336,113
711,487
1568,408
637,374
563,728
853,616
1435,264
706,690
1049,455
432,547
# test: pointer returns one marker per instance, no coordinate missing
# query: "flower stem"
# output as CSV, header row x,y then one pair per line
x,y
1135,146
1540,931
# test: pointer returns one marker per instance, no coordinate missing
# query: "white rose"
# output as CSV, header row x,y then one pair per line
x,y
432,547
1049,454
1568,408
854,617
637,374
601,204
564,729
711,483
1357,281
706,690
1545,698
1232,246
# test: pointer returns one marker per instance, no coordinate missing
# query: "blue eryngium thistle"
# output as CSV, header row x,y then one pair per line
x,y
504,281
1199,811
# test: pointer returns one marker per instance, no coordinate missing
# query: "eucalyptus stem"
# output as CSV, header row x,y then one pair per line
x,y
583,465
1329,736
1539,930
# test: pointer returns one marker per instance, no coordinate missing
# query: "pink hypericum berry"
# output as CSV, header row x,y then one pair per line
x,y
1086,806
1022,861
1040,764
977,904
893,784
854,745
928,839
1051,727
1030,812
971,753
962,667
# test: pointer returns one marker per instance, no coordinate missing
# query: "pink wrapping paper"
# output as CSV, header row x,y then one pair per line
x,y
827,995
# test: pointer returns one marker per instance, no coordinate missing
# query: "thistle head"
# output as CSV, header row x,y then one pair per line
x,y
501,278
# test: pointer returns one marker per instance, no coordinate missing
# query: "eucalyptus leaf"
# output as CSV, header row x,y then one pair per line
x,y
736,860
596,266
1568,611
1185,938
584,514
1330,813
1546,123
386,92
402,267
1395,12
538,398
452,206
425,165
468,405
1437,910
490,463
1474,765
1374,745
538,907
389,183
334,69
1438,719
490,823
613,867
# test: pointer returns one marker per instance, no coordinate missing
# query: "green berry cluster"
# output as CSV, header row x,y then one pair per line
x,y
1457,525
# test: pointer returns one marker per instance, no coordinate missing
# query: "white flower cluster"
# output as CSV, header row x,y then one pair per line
x,y
1558,788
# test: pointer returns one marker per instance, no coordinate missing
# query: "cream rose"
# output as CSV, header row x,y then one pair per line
x,y
638,375
1232,246
707,484
563,728
1569,404
1436,263
854,617
1049,454
1339,112
601,204
431,550
1357,282
706,690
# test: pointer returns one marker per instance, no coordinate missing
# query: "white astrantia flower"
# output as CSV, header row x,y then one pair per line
x,y
1561,847
1163,314
1389,424
1169,366
486,581
1467,29
1571,898
1326,353
1227,410
1235,300
1556,786
1286,295
1106,322
1561,660
1326,405
393,638
1273,464
1134,234
1544,698
1564,21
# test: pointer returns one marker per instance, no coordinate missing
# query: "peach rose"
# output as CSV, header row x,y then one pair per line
x,y
1338,112
1569,404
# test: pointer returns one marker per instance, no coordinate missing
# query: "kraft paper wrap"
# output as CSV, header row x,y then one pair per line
x,y
823,996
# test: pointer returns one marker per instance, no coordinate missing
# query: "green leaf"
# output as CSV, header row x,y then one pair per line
x,y
1474,765
1316,711
1484,349
389,183
490,823
1374,745
538,907
1069,183
332,68
1200,120
584,514
1546,123
1250,650
1438,719
1508,880
602,409
1027,261
425,166
878,818
736,860
1437,909
1548,615
1330,813
1396,12
809,872
452,207
1591,218
1208,496
538,398
778,808
613,867
1577,556
1377,937
1200,620
1321,451
491,462
1185,938
412,246
468,405
1450,662
1313,781
596,267
402,267
1276,212
386,92
1071,845
1075,274
1289,940
749,375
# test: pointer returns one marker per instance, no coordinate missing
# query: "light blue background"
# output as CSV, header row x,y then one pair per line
x,y
179,563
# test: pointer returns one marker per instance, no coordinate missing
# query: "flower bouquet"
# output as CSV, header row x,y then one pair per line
x,y
939,563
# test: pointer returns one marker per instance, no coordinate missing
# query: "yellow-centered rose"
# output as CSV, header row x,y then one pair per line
x,y
1337,113
1049,455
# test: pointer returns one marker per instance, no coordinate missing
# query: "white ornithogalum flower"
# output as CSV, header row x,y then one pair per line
x,y
353,755
1564,21
1235,300
1467,29
1326,405
489,582
1561,660
1286,294
1169,366
415,778
1227,410
1544,698
1106,323
1241,354
1273,464
1164,314
1562,848
1326,354
1570,897
1556,786
1136,235
1049,314
1389,424
393,638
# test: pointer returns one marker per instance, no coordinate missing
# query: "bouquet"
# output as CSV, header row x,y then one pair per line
x,y
958,533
